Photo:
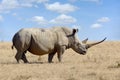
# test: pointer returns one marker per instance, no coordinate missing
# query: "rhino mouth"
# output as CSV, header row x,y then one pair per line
x,y
83,52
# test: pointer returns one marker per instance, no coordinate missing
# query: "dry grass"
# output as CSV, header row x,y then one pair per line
x,y
102,62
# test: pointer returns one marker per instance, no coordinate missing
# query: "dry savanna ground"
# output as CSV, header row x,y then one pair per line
x,y
102,62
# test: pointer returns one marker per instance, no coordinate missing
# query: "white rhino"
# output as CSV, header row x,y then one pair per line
x,y
41,41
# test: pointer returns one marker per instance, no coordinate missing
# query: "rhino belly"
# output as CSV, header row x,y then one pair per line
x,y
42,42
39,50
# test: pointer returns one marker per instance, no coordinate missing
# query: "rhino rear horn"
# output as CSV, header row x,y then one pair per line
x,y
85,41
73,32
92,44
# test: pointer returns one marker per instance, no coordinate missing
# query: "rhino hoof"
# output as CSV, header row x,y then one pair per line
x,y
51,62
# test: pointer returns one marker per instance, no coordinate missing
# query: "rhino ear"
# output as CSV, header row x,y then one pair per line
x,y
74,31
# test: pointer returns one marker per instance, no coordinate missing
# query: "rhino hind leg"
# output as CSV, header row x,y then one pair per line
x,y
21,55
18,56
24,58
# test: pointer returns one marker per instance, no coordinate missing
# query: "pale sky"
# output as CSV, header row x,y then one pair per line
x,y
95,19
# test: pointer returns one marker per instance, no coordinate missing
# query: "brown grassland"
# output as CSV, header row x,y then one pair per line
x,y
102,62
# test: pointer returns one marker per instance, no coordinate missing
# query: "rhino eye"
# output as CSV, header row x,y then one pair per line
x,y
78,44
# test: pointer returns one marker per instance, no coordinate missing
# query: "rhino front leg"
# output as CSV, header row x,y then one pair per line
x,y
50,57
59,57
60,53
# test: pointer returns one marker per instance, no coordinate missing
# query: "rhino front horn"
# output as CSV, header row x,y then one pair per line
x,y
92,44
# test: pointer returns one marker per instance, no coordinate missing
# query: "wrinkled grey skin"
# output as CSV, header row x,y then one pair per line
x,y
40,41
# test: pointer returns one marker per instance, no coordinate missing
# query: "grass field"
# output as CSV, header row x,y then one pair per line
x,y
102,62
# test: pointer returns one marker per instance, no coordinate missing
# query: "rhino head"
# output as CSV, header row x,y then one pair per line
x,y
77,45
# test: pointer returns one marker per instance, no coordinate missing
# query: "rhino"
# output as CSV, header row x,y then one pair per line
x,y
41,41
